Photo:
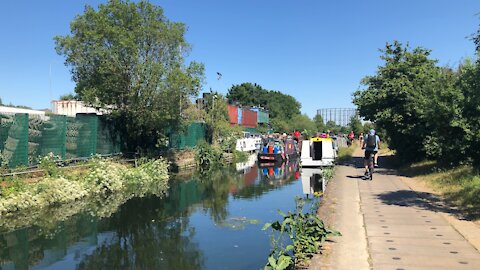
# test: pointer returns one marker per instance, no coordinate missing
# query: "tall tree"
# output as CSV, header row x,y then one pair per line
x,y
304,124
395,97
318,120
355,125
129,58
68,96
281,107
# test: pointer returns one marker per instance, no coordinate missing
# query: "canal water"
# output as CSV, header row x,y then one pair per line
x,y
207,221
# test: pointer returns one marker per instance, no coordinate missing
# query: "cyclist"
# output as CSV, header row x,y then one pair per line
x,y
371,144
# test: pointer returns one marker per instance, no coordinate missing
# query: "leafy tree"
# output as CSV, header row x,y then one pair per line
x,y
367,126
355,125
397,95
318,120
68,96
469,84
304,124
332,126
281,107
222,133
129,58
1,103
417,104
280,125
448,130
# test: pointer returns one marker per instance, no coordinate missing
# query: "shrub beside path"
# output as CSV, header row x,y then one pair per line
x,y
392,223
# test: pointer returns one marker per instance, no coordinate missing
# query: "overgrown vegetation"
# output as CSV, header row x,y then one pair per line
x,y
284,110
208,156
460,185
128,58
104,180
427,111
240,156
297,237
345,153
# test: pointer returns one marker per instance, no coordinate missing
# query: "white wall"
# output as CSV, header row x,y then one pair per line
x,y
71,107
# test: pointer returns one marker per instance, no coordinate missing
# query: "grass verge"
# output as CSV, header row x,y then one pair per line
x,y
345,153
460,185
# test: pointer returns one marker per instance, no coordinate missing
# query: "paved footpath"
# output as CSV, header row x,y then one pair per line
x,y
387,225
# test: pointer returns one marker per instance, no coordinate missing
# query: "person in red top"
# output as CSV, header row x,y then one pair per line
x,y
296,135
351,136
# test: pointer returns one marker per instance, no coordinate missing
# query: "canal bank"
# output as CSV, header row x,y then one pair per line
x,y
206,221
391,223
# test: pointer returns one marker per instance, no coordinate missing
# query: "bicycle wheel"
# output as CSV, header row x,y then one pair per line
x,y
371,166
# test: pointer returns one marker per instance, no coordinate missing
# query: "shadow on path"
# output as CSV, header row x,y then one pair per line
x,y
422,200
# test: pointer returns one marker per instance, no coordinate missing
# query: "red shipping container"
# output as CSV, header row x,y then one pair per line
x,y
249,118
233,114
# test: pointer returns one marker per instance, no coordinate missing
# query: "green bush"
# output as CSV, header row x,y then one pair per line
x,y
208,156
104,182
305,231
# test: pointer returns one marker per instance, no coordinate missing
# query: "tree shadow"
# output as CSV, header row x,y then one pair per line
x,y
426,201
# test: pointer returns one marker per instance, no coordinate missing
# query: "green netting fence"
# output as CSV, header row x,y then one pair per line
x,y
24,138
52,136
194,133
108,141
87,135
14,139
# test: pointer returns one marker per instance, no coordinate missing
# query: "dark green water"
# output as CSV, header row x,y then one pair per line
x,y
209,221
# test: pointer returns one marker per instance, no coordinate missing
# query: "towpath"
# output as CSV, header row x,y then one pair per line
x,y
388,225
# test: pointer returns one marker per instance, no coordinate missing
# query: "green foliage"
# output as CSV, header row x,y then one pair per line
x,y
318,120
305,231
469,84
355,125
127,57
69,96
105,180
240,156
417,104
48,165
11,186
345,154
208,156
219,129
332,127
304,124
329,172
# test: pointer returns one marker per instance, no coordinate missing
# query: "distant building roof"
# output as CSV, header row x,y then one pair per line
x,y
6,109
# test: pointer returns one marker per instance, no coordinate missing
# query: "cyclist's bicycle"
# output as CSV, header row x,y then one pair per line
x,y
371,166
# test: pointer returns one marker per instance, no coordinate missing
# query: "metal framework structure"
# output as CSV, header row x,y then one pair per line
x,y
341,116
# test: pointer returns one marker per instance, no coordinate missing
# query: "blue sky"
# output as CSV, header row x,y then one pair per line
x,y
316,51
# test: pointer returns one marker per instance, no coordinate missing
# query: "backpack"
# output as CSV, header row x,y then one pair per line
x,y
372,141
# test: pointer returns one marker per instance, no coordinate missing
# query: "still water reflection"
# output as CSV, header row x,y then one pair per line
x,y
209,221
